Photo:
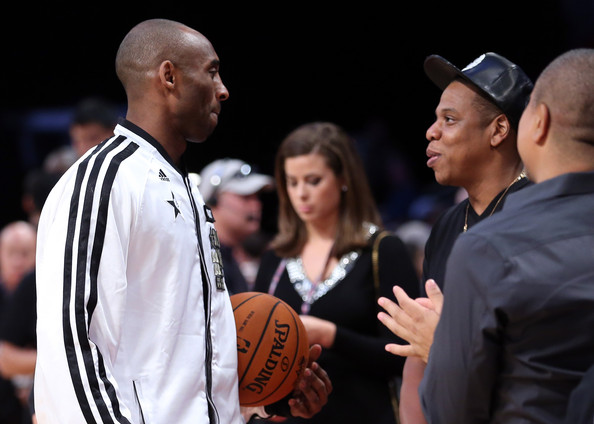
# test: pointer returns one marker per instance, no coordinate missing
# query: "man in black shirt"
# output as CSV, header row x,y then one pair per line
x,y
515,336
472,144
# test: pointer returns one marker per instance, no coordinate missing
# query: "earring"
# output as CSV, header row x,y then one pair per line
x,y
345,188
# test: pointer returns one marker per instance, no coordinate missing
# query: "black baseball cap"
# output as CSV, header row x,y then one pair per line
x,y
502,81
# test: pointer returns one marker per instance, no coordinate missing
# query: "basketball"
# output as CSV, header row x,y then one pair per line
x,y
272,348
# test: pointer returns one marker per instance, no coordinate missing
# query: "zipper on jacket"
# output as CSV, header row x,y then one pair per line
x,y
213,414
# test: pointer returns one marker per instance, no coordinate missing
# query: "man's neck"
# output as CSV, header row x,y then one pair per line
x,y
481,194
174,146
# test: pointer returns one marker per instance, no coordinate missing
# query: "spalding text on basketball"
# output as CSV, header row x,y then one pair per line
x,y
281,333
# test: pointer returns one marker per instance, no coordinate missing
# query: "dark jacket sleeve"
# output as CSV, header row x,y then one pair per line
x,y
460,376
581,401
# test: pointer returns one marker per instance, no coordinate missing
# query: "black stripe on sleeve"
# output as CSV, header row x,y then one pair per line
x,y
96,258
68,336
80,317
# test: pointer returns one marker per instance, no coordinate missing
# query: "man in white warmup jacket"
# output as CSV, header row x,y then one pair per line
x,y
134,324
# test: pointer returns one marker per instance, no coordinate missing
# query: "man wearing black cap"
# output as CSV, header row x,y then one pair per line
x,y
472,144
515,336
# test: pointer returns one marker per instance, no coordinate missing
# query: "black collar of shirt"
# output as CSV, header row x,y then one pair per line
x,y
562,185
153,141
496,204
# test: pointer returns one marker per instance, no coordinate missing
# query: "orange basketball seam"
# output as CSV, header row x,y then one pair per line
x,y
295,355
290,359
245,300
259,342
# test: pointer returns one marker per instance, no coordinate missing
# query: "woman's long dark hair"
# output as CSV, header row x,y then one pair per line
x,y
357,205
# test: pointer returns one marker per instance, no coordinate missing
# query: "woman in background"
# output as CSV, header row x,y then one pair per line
x,y
320,263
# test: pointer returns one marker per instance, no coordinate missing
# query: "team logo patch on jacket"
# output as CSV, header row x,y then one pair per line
x,y
175,205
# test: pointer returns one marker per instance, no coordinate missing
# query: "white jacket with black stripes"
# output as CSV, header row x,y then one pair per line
x,y
131,325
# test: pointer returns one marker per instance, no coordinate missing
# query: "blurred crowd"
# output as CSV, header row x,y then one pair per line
x,y
91,122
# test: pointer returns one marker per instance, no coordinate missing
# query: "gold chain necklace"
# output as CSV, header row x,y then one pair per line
x,y
522,175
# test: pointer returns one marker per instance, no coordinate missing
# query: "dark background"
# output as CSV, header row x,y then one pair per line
x,y
359,66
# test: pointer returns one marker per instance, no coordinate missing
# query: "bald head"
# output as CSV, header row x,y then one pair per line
x,y
170,73
566,87
17,252
150,43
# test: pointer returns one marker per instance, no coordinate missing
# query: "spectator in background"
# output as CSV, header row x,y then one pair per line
x,y
232,189
37,185
18,343
321,265
17,254
93,121
17,258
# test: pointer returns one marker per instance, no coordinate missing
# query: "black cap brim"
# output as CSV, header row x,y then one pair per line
x,y
441,71
501,81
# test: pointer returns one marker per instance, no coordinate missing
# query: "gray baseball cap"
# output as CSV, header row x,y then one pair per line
x,y
231,175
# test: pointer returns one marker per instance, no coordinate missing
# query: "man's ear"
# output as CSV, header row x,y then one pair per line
x,y
501,129
167,74
541,123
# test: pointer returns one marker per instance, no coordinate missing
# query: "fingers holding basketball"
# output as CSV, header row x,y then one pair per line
x,y
313,388
323,383
315,350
